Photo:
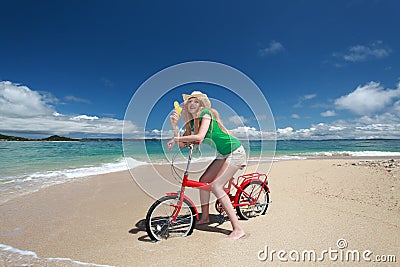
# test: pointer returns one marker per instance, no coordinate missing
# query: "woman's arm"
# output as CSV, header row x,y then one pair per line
x,y
199,137
174,124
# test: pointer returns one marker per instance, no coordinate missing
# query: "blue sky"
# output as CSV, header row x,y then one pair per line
x,y
328,69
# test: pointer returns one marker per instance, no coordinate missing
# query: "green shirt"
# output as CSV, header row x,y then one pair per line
x,y
224,142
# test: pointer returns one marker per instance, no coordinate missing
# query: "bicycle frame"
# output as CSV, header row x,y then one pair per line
x,y
247,179
186,182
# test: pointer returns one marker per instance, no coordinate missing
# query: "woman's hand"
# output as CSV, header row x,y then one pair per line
x,y
171,144
174,118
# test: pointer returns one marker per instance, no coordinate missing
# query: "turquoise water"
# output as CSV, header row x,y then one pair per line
x,y
18,158
24,158
29,166
339,148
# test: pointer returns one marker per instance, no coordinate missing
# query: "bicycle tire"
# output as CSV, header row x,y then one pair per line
x,y
158,225
253,209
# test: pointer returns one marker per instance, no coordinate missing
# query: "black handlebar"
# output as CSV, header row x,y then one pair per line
x,y
190,145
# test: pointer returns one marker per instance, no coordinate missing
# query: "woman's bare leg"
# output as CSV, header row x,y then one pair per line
x,y
217,187
207,177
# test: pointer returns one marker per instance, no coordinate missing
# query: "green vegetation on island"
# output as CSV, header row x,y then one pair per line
x,y
50,138
12,138
58,138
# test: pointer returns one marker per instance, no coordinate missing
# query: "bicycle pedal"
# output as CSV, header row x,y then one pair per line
x,y
221,219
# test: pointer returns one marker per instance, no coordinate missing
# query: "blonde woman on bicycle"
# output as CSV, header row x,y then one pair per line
x,y
202,122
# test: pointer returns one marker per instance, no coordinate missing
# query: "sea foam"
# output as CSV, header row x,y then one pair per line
x,y
24,184
352,154
11,256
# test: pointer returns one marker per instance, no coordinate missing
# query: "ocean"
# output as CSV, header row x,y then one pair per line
x,y
29,166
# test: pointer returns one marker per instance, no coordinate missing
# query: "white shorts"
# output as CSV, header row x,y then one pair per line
x,y
236,157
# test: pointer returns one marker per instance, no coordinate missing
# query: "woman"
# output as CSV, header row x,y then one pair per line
x,y
202,122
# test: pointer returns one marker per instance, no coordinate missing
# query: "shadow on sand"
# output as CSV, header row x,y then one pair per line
x,y
212,226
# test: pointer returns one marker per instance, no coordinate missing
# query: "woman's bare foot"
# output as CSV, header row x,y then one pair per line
x,y
203,220
237,234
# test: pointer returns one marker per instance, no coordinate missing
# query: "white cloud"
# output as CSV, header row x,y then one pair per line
x,y
245,131
273,48
319,131
237,120
262,117
26,111
295,116
301,99
84,117
358,53
76,99
19,101
396,108
286,131
328,113
56,114
367,99
310,96
334,128
362,53
63,125
156,131
251,133
386,125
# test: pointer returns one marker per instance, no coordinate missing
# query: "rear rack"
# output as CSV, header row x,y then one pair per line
x,y
255,175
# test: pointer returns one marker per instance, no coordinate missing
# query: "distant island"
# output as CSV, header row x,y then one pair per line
x,y
56,138
48,139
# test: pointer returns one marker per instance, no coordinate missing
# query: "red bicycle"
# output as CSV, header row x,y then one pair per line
x,y
175,214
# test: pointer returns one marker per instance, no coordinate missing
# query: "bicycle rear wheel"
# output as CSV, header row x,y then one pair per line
x,y
159,223
253,200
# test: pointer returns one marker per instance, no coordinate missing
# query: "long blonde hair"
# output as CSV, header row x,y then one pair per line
x,y
188,117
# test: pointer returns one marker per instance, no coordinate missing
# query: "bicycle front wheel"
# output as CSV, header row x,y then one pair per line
x,y
159,224
252,201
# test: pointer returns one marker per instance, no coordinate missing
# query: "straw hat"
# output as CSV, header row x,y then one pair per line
x,y
200,96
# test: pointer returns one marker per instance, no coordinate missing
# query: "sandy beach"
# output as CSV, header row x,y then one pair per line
x,y
317,204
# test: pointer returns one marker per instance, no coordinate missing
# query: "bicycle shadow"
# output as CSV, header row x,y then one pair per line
x,y
141,227
211,227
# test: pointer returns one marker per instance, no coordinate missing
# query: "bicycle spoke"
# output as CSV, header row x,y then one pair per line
x,y
159,220
253,200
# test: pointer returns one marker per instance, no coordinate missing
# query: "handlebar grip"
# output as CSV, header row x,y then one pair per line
x,y
189,145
